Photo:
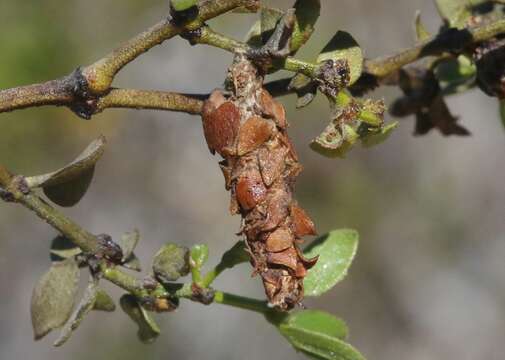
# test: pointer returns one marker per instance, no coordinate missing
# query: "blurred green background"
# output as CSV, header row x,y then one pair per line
x,y
428,281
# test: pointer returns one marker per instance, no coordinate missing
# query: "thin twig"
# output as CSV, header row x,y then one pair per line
x,y
94,81
451,40
150,99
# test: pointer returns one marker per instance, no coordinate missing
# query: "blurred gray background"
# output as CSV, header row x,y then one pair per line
x,y
429,278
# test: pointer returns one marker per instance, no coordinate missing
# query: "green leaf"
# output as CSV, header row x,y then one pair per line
x,y
53,297
378,137
133,263
452,72
235,256
307,12
66,186
181,5
85,306
171,262
199,255
502,112
336,251
305,89
343,46
421,32
62,248
454,12
318,335
128,242
148,329
316,320
103,302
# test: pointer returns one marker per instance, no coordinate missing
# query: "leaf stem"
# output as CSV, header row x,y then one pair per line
x,y
241,302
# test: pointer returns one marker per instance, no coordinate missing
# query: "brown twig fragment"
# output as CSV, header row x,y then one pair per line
x,y
260,167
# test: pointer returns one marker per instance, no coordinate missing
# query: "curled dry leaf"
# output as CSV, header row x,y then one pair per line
x,y
253,133
261,176
220,126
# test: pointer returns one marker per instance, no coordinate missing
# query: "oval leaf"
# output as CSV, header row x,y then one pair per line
x,y
307,12
62,248
128,242
53,297
316,320
68,185
148,329
103,302
343,46
85,306
336,251
171,262
319,335
454,12
70,193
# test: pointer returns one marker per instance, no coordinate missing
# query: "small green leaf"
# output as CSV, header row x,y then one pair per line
x,y
336,251
103,302
199,255
53,297
454,12
343,46
421,32
318,335
171,262
181,5
85,306
457,71
305,89
148,329
62,248
128,242
374,137
66,186
307,12
316,320
235,256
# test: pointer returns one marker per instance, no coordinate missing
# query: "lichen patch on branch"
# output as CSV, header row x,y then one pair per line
x,y
260,167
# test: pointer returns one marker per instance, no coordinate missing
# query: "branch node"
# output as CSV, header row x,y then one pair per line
x,y
192,36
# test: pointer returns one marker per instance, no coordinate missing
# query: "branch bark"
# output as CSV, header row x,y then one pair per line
x,y
83,87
